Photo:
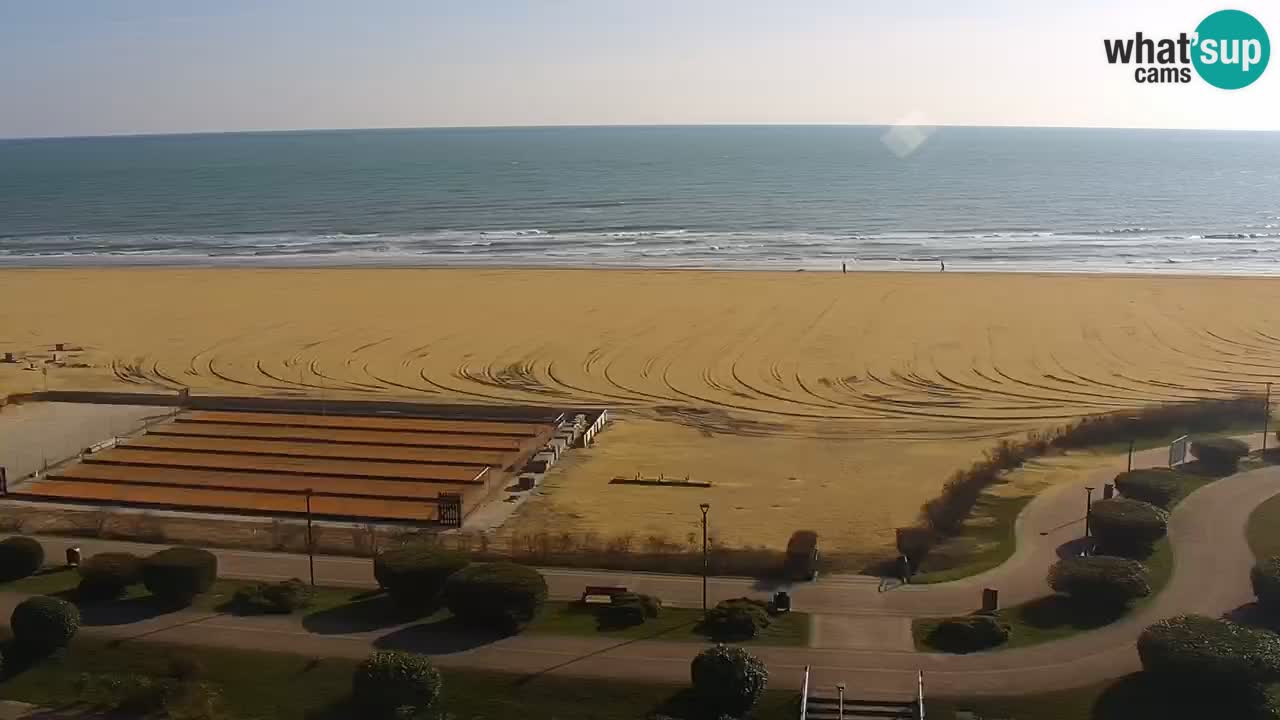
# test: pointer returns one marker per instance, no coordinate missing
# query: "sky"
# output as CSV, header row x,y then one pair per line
x,y
94,67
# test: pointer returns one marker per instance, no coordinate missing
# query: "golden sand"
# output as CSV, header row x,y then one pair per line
x,y
811,400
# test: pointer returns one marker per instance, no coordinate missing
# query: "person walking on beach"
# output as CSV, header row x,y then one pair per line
x,y
943,263
844,268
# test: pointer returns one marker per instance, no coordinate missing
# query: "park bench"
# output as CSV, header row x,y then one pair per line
x,y
601,594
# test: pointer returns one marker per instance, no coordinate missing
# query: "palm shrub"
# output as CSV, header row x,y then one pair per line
x,y
43,624
179,574
20,557
1127,527
728,680
499,596
1158,486
107,575
1219,454
1100,581
414,575
392,684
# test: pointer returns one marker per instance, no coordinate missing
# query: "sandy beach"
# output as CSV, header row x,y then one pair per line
x,y
811,400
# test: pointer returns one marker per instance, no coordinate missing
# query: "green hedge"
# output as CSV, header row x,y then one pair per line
x,y
268,598
1221,454
727,680
498,596
397,685
736,619
1100,580
1127,527
969,633
179,574
1158,486
108,575
1199,650
43,624
629,609
1266,584
415,575
20,557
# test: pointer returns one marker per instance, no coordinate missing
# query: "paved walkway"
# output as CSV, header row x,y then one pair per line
x,y
859,630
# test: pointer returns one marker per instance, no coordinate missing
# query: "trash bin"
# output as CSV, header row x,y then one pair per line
x,y
73,557
781,602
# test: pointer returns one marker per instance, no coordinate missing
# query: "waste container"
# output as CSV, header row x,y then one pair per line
x,y
781,602
73,557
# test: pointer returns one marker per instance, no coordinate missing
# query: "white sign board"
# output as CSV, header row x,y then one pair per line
x,y
1178,451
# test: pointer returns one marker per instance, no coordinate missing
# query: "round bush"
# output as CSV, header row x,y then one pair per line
x,y
1100,580
179,574
1201,650
1219,453
500,596
728,680
1158,486
624,611
414,575
1266,584
1127,527
107,575
737,619
396,685
969,633
20,557
43,624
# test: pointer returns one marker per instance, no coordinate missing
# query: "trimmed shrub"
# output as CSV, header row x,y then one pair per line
x,y
1265,577
1200,650
107,575
737,619
1219,453
500,596
1127,527
1100,581
20,557
393,684
415,575
280,598
969,633
728,680
1158,486
629,609
43,624
179,574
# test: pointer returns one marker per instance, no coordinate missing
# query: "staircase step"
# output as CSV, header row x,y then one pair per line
x,y
823,707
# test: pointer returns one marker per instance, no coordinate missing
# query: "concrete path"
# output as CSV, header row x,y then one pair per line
x,y
860,636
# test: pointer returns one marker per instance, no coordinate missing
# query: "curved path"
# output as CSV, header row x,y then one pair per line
x,y
1211,576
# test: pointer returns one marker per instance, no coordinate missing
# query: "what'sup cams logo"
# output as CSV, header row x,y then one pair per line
x,y
1228,50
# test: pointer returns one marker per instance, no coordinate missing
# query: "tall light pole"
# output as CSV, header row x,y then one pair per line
x,y
1266,419
1088,509
311,554
705,508
840,688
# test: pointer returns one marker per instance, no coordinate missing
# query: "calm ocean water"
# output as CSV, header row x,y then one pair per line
x,y
723,197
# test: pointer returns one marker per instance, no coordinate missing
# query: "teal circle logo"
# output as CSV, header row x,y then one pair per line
x,y
1232,49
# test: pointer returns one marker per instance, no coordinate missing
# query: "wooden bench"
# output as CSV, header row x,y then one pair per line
x,y
601,594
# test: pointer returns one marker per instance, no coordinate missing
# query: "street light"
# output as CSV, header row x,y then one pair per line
x,y
705,508
1266,419
840,688
1088,509
311,554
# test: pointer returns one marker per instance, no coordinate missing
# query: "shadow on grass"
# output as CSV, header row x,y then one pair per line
x,y
1058,611
437,637
374,611
1253,615
123,612
1143,696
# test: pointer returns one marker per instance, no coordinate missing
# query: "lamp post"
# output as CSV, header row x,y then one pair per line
x,y
840,688
1088,508
704,507
311,555
1266,419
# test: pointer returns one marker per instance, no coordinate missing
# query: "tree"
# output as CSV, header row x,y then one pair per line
x,y
43,624
20,557
1158,486
414,575
499,596
1203,651
728,680
1127,527
107,575
179,574
1219,454
1100,581
969,633
392,684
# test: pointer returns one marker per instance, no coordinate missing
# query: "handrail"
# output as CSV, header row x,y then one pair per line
x,y
919,695
804,695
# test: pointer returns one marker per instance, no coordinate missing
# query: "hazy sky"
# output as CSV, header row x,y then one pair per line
x,y
79,67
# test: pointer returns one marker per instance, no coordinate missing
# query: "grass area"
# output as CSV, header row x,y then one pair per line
x,y
1263,530
1054,617
336,609
292,687
989,540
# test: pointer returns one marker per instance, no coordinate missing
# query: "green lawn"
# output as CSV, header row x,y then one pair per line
x,y
291,687
1263,530
676,624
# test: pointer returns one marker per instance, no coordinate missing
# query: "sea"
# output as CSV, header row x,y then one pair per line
x,y
723,197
